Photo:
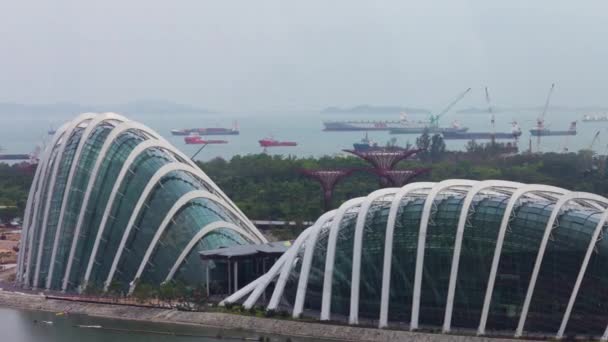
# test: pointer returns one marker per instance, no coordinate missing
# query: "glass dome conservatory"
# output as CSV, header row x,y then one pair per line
x,y
490,257
113,202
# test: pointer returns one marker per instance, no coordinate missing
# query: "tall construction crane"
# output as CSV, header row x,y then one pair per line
x,y
434,119
540,121
594,140
491,112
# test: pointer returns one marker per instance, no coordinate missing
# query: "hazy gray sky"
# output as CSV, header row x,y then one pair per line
x,y
278,54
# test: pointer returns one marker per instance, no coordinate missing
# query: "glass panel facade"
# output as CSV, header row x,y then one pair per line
x,y
89,195
56,201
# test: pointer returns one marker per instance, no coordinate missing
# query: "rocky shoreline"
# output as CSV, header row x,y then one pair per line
x,y
225,321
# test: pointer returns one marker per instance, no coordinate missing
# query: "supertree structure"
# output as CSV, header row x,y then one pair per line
x,y
399,178
328,180
384,161
385,158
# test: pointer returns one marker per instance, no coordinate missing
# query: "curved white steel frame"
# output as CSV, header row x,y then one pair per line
x,y
45,177
287,267
182,201
117,131
321,223
388,245
148,144
331,255
86,134
287,261
462,221
68,133
424,222
140,148
209,228
34,203
543,245
515,197
150,187
357,249
26,223
581,273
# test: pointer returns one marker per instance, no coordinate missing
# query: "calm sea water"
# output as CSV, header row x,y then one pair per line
x,y
20,134
27,326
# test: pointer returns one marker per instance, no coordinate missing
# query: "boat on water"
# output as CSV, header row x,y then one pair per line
x,y
595,117
365,144
195,139
349,126
541,131
207,131
429,129
514,134
271,142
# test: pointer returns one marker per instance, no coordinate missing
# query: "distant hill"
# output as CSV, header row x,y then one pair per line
x,y
139,107
539,109
370,109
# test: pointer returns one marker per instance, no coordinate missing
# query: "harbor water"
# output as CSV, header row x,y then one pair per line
x,y
21,134
34,326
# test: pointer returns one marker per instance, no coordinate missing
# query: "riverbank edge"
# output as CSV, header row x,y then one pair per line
x,y
227,321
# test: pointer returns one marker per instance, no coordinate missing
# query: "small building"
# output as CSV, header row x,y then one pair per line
x,y
230,268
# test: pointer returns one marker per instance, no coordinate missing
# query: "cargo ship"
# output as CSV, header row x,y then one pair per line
x,y
365,144
349,126
270,142
208,131
429,129
541,131
198,140
514,134
205,131
595,117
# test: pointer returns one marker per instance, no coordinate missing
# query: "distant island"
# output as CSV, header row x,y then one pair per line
x,y
370,109
135,107
557,108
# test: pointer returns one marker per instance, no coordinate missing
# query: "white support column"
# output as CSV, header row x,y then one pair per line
x,y
298,306
331,255
81,119
286,260
199,236
86,134
207,277
357,250
462,221
541,252
247,289
236,276
292,253
388,245
424,222
581,273
515,197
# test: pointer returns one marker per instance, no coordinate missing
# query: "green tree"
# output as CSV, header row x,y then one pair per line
x,y
423,142
437,149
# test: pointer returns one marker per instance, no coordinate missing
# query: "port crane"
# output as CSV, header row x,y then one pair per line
x,y
540,121
434,119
